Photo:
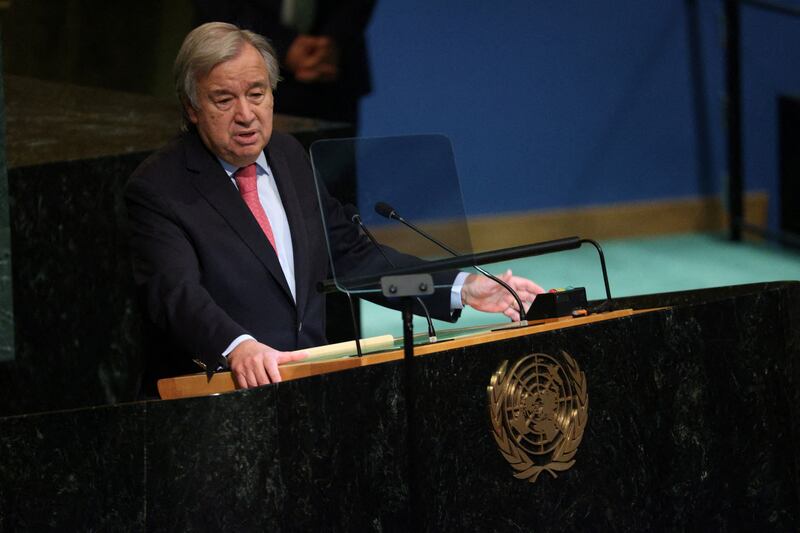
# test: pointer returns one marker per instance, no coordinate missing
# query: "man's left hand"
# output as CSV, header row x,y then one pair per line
x,y
484,294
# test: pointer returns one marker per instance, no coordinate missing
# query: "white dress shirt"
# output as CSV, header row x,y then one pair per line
x,y
270,200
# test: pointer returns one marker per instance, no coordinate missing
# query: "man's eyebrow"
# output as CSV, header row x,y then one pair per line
x,y
261,84
219,92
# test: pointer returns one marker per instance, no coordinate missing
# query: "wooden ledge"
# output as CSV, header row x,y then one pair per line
x,y
221,382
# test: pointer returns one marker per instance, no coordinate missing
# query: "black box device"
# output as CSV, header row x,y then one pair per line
x,y
558,303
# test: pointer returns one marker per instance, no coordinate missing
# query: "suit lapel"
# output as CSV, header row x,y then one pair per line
x,y
211,181
294,213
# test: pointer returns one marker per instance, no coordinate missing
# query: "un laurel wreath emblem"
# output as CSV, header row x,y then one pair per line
x,y
538,411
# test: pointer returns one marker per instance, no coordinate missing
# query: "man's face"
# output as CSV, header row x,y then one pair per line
x,y
234,108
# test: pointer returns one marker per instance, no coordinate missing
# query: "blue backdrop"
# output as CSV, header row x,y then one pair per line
x,y
554,104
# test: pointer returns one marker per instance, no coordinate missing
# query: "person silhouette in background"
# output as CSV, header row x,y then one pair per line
x,y
320,46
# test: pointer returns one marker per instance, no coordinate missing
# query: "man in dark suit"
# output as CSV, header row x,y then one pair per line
x,y
226,230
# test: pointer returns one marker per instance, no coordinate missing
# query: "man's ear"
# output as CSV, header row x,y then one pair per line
x,y
191,113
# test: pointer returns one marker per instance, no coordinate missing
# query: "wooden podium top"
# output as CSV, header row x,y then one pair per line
x,y
319,363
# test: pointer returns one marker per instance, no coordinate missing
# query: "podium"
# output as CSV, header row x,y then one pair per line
x,y
692,425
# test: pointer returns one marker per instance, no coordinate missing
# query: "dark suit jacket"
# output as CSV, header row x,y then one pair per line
x,y
207,272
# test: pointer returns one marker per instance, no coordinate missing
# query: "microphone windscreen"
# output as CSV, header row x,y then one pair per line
x,y
385,210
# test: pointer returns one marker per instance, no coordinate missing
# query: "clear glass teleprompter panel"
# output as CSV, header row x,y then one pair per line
x,y
415,176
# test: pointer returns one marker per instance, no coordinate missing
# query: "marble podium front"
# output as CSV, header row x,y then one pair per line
x,y
693,425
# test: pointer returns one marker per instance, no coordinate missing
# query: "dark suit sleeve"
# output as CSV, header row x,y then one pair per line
x,y
345,20
354,255
166,269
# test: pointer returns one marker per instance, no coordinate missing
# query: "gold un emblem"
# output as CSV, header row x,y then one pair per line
x,y
538,411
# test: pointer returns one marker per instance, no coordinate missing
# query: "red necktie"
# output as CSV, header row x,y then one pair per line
x,y
246,180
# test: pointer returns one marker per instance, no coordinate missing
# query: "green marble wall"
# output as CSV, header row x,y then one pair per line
x,y
6,309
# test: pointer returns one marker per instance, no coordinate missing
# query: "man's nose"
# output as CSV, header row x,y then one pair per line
x,y
243,111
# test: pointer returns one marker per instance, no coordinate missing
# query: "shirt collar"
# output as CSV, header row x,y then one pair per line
x,y
231,169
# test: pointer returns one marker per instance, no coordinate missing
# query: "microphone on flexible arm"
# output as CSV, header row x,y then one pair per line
x,y
387,211
354,217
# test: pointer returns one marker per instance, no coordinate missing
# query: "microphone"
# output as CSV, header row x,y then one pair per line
x,y
355,218
387,211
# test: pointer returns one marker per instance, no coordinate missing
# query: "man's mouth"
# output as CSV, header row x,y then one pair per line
x,y
246,137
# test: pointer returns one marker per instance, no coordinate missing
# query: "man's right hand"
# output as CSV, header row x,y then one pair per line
x,y
253,364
